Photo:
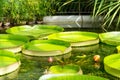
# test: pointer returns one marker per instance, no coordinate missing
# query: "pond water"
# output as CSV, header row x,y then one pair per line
x,y
34,67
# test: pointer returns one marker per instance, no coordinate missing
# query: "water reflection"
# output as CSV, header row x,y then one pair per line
x,y
45,58
85,48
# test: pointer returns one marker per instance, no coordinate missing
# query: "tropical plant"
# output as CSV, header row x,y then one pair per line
x,y
53,6
110,11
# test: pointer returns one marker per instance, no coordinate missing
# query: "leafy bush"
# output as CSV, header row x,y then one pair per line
x,y
15,11
20,10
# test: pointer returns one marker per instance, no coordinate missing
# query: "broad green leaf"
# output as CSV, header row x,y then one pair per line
x,y
35,31
74,36
47,45
11,41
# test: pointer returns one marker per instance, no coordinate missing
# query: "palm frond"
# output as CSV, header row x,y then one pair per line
x,y
113,16
95,7
118,22
100,6
111,10
67,2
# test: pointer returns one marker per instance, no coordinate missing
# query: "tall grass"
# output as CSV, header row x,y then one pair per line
x,y
110,11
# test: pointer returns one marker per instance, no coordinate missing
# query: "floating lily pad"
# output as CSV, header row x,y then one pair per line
x,y
46,48
12,42
69,68
111,38
77,38
70,77
112,64
36,31
8,62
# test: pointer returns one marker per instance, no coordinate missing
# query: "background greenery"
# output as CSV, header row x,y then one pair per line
x,y
18,11
34,10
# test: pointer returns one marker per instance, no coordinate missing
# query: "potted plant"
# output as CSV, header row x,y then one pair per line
x,y
21,12
11,12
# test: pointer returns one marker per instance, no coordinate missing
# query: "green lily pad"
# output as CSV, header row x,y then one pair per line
x,y
111,38
36,31
112,64
9,42
8,62
69,68
77,38
46,48
70,77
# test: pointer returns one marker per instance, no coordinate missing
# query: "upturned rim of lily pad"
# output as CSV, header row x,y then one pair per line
x,y
77,38
46,48
112,64
9,62
67,68
110,38
70,77
10,76
36,31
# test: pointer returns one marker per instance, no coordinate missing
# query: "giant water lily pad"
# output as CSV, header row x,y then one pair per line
x,y
36,31
111,38
77,38
70,77
46,48
69,68
12,42
112,64
8,62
